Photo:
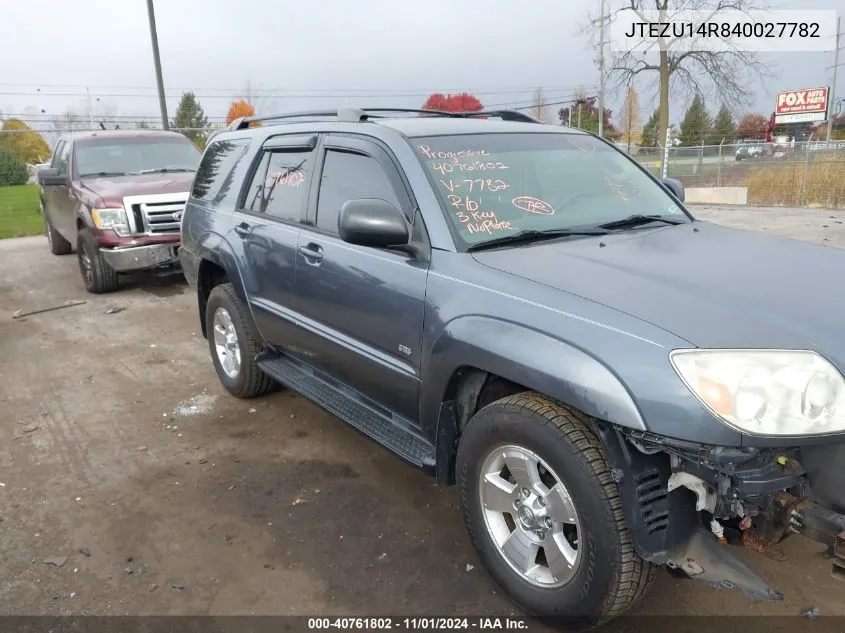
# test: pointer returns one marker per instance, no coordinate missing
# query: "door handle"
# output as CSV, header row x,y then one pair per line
x,y
243,229
312,253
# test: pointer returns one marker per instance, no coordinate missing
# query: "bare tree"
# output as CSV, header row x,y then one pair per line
x,y
69,121
538,108
257,98
630,116
693,71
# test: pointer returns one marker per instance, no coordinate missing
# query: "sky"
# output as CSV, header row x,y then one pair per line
x,y
322,54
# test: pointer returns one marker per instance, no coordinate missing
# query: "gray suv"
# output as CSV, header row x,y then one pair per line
x,y
523,311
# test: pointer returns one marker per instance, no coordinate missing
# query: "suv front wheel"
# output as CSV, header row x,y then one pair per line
x,y
234,344
544,513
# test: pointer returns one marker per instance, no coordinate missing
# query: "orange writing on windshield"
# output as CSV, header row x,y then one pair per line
x,y
533,205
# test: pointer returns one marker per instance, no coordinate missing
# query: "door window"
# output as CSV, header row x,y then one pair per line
x,y
62,158
279,187
347,176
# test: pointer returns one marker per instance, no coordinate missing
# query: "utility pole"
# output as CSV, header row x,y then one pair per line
x,y
154,39
90,108
601,72
831,98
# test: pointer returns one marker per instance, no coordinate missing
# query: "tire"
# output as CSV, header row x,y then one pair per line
x,y
245,379
98,276
607,576
58,245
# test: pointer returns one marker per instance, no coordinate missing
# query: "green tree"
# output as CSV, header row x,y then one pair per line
x,y
142,125
649,136
190,119
723,127
23,143
12,170
696,127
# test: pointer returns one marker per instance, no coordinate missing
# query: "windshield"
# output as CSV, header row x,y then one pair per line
x,y
496,185
135,156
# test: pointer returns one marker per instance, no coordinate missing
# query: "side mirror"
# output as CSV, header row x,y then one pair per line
x,y
50,176
372,222
675,186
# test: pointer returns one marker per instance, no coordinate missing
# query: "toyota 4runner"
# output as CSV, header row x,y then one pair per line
x,y
117,196
522,310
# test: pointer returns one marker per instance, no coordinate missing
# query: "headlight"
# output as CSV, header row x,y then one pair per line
x,y
114,219
766,392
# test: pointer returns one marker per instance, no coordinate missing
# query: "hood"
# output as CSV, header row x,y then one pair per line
x,y
714,287
113,189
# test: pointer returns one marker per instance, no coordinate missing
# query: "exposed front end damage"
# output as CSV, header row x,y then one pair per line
x,y
687,503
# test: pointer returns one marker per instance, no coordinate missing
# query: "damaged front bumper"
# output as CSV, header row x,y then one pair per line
x,y
685,502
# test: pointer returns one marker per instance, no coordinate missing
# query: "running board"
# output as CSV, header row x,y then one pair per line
x,y
389,430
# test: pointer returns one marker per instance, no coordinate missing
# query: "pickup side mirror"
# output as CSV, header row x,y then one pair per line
x,y
50,176
675,186
372,222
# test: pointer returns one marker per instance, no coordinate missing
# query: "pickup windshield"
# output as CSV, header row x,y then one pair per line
x,y
495,185
129,156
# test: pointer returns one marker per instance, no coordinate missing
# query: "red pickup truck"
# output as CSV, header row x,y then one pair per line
x,y
118,197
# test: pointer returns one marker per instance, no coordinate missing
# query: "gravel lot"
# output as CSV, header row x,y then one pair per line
x,y
120,451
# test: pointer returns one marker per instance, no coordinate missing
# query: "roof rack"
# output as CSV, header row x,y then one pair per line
x,y
365,114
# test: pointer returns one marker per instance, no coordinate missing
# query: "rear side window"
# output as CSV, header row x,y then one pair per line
x,y
279,187
348,176
217,171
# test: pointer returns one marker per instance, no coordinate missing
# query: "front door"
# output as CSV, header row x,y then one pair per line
x,y
58,199
268,222
362,308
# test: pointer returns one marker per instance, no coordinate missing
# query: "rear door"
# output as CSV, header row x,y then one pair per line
x,y
267,222
362,308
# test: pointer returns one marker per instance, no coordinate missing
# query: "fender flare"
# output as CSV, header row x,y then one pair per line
x,y
540,362
215,249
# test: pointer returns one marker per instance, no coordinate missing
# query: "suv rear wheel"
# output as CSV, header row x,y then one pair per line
x,y
234,344
544,513
58,245
98,276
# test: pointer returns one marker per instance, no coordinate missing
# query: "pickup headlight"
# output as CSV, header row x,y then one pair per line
x,y
766,392
114,219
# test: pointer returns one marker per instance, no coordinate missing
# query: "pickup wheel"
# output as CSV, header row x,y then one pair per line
x,y
234,344
544,513
58,245
98,276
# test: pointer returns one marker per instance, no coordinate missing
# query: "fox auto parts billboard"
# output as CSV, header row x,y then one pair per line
x,y
802,106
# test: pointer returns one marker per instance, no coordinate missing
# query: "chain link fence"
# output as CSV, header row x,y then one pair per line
x,y
806,174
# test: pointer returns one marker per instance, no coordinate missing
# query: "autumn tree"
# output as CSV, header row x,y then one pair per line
x,y
696,126
238,109
724,128
462,102
23,143
630,116
682,64
538,107
584,113
190,119
752,126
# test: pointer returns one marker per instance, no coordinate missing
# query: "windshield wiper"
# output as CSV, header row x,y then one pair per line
x,y
534,236
637,220
100,174
165,170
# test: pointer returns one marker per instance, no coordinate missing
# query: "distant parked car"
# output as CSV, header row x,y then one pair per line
x,y
118,196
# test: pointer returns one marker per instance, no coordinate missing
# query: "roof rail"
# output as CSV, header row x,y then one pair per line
x,y
364,114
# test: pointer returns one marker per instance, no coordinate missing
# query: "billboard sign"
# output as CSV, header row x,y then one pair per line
x,y
801,106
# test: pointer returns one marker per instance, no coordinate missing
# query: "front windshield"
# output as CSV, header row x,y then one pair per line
x,y
496,185
121,156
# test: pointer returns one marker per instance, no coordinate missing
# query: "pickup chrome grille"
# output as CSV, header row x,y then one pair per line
x,y
158,214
